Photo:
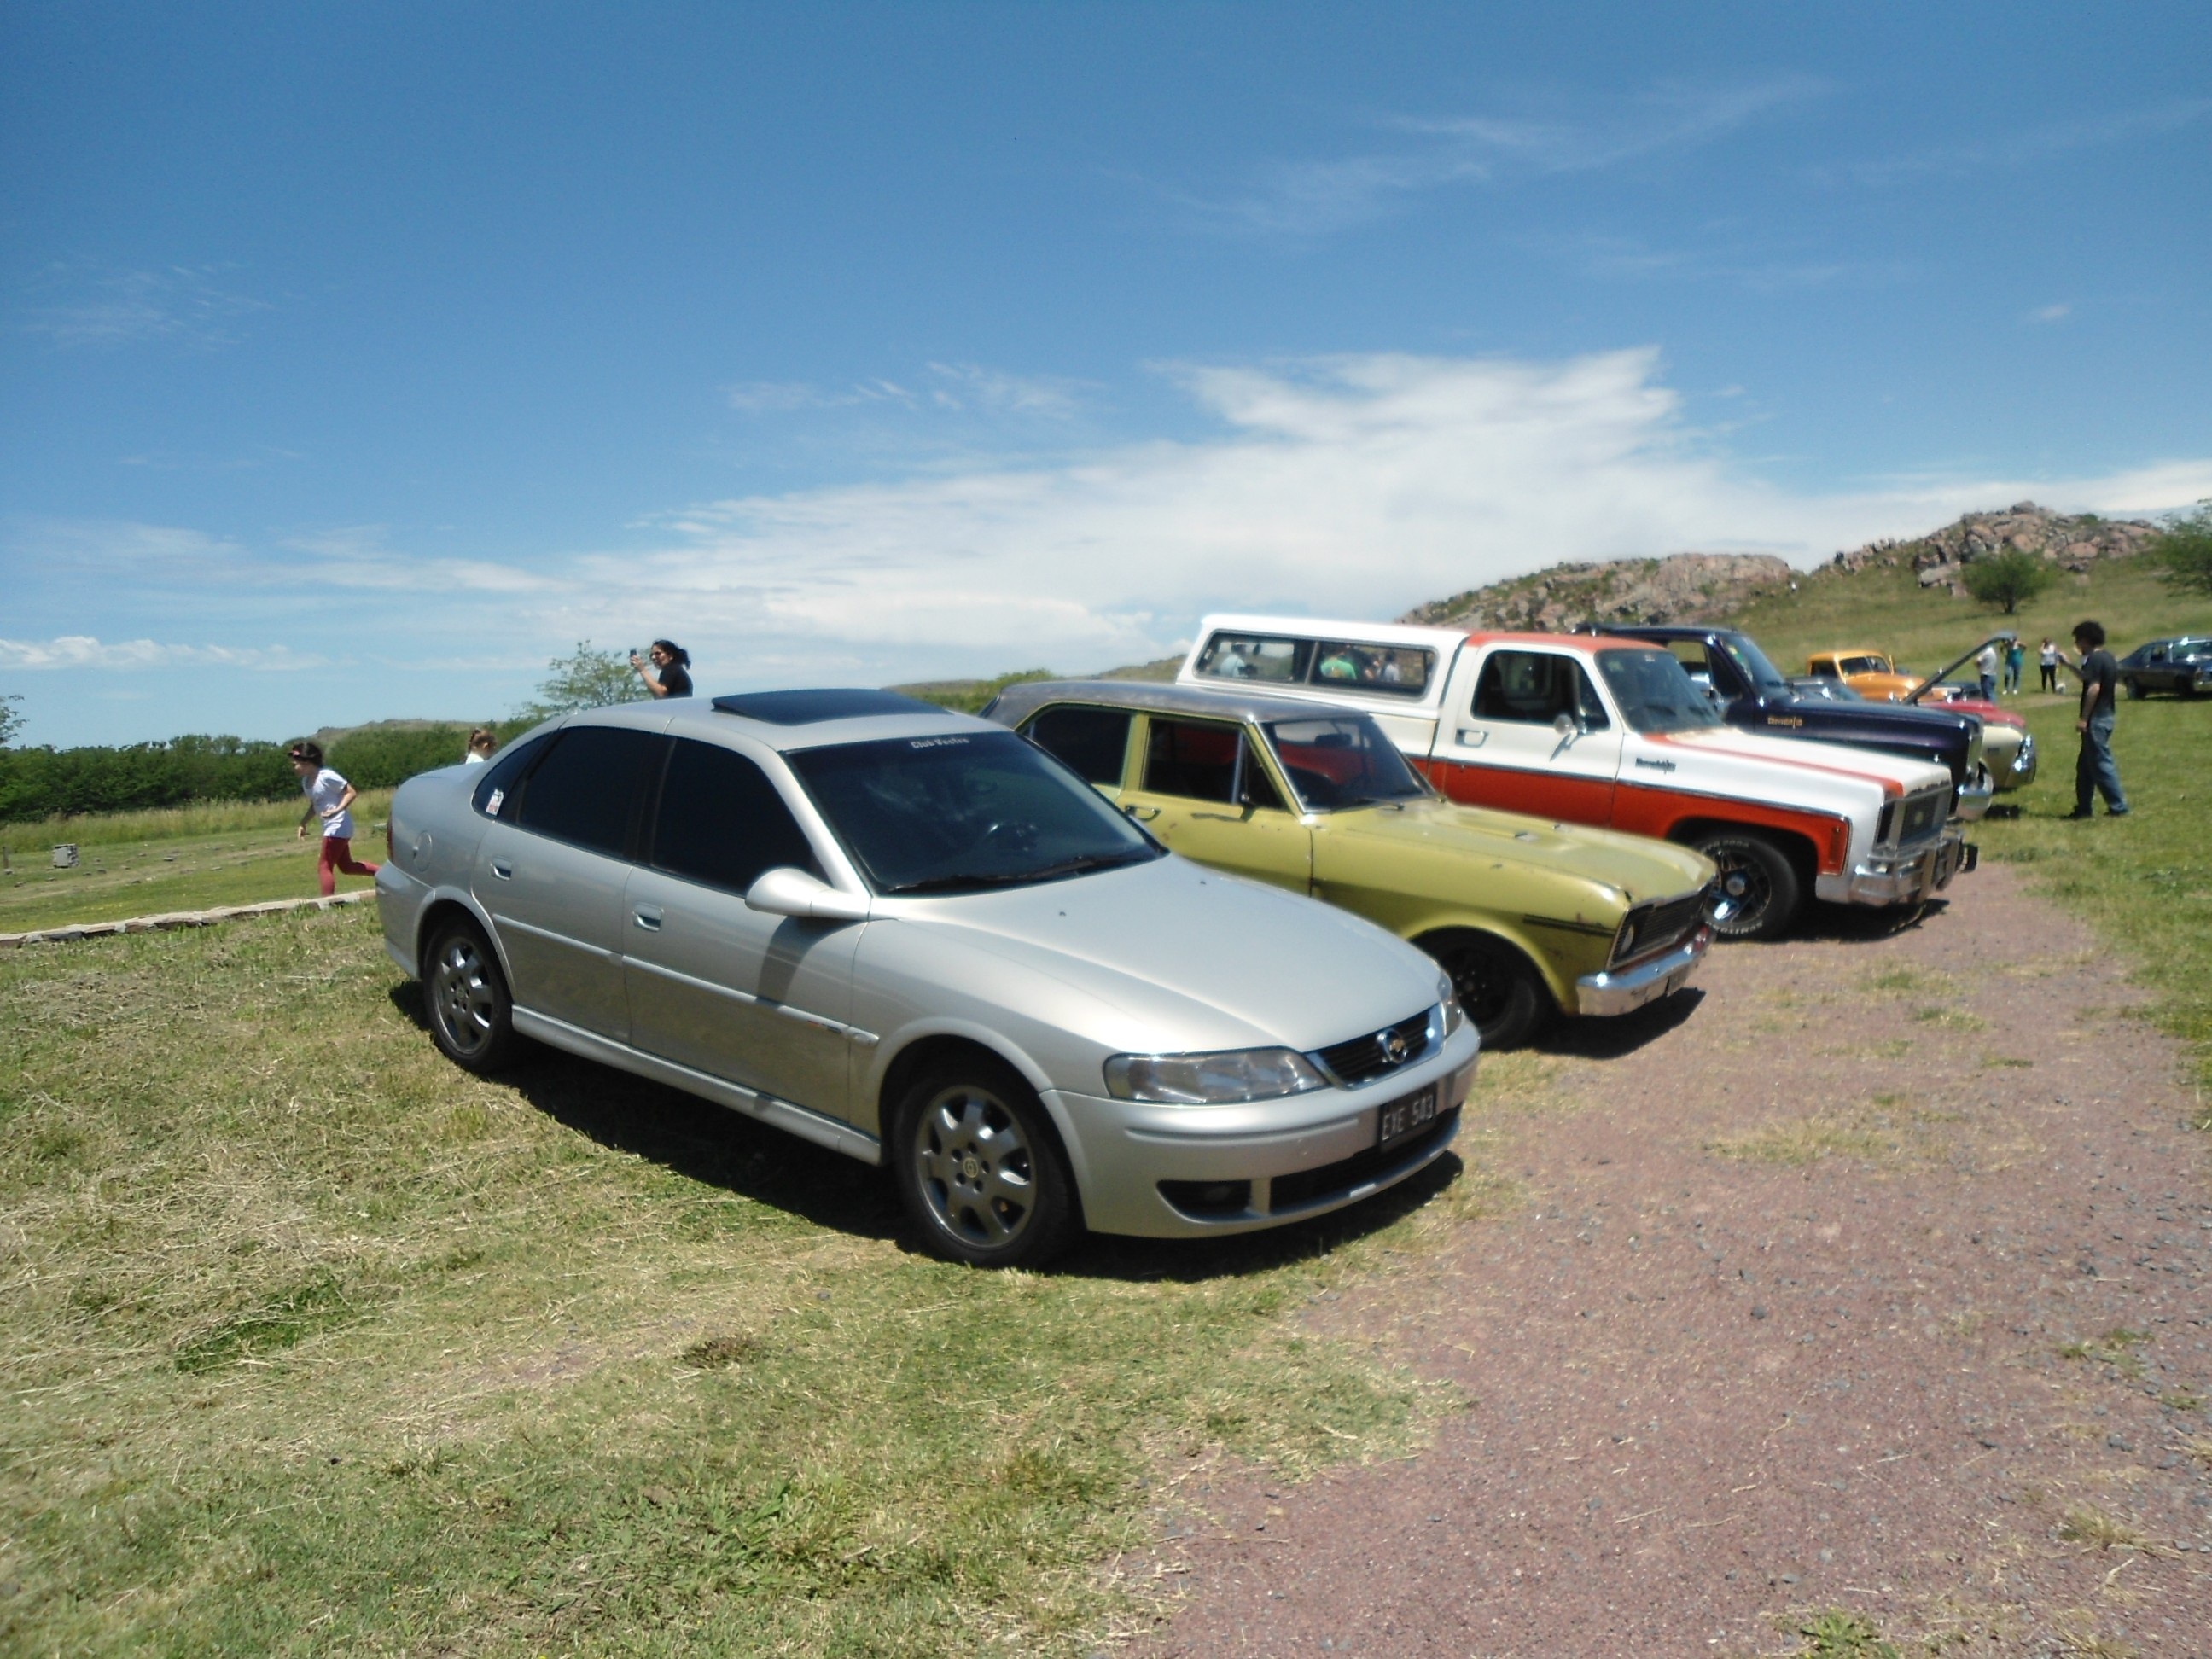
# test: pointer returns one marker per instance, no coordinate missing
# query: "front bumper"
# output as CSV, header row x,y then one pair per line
x,y
1619,990
1909,878
1974,796
2022,772
1320,1146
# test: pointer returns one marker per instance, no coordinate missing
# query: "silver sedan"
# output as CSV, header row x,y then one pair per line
x,y
916,938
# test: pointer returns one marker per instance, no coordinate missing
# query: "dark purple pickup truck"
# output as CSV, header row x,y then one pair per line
x,y
1752,693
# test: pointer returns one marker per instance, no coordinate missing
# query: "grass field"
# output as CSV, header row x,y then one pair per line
x,y
137,864
313,1345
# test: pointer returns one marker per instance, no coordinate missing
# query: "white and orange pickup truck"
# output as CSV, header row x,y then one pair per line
x,y
1588,729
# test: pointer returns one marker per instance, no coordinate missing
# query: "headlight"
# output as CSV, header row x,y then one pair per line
x,y
1234,1074
1448,998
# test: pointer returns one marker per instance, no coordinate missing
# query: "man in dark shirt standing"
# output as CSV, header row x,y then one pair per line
x,y
2095,771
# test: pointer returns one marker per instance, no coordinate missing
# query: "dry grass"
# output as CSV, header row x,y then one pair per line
x,y
314,1344
2087,1525
1883,1131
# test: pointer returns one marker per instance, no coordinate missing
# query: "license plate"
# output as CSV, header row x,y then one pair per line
x,y
1401,1118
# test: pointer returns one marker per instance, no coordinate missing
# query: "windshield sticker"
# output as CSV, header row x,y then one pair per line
x,y
934,743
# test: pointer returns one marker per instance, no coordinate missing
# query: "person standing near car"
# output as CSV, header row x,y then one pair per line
x,y
2015,656
2095,771
2047,659
665,668
331,799
1986,665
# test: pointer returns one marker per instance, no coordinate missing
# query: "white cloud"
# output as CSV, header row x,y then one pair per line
x,y
1356,485
2028,145
98,306
83,650
1316,197
2050,314
963,385
781,397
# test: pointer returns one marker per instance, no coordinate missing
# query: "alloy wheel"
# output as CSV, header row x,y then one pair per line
x,y
974,1167
462,998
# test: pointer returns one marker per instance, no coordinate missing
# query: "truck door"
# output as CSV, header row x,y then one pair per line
x,y
1525,730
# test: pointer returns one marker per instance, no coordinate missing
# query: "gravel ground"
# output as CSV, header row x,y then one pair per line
x,y
1878,1282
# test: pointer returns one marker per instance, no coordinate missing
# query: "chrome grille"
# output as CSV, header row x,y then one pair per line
x,y
1923,817
1362,1058
1660,926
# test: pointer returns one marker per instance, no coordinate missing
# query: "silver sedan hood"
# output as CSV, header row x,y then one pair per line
x,y
1171,957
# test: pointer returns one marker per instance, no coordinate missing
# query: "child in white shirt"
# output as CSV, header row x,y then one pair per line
x,y
329,797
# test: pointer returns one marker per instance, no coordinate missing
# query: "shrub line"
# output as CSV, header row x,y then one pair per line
x,y
175,919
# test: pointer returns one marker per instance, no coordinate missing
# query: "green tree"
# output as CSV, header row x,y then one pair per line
x,y
2009,580
2183,554
11,718
591,678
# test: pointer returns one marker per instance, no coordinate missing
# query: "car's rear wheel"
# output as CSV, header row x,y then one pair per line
x,y
1759,891
471,1015
2135,689
1500,989
978,1167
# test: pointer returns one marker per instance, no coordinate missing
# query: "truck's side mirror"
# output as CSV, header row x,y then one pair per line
x,y
1567,727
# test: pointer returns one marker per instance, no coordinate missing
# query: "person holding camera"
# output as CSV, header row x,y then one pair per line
x,y
665,668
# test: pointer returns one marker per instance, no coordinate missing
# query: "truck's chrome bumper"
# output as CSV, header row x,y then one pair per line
x,y
1617,991
1975,795
2022,772
1907,879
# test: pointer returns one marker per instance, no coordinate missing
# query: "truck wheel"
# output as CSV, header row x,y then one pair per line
x,y
1759,891
1496,984
978,1168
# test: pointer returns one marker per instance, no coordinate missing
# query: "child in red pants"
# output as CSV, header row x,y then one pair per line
x,y
329,796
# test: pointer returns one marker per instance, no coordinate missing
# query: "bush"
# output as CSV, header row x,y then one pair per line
x,y
48,782
2009,579
2184,553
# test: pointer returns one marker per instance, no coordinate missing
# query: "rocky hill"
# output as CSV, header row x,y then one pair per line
x,y
2072,541
1706,587
1680,588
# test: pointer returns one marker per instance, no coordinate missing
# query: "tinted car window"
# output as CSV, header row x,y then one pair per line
x,y
1402,670
1092,740
1194,758
1255,656
495,790
1343,761
721,821
1654,693
584,790
1537,686
959,812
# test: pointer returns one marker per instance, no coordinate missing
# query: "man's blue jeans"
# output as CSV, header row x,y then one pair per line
x,y
1989,688
2095,771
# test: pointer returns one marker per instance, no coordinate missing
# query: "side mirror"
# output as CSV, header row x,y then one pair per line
x,y
1567,727
785,891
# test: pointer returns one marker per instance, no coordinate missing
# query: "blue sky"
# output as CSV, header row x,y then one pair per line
x,y
353,361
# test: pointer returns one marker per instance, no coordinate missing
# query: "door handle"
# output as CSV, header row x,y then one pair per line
x,y
649,917
503,869
1220,818
1142,814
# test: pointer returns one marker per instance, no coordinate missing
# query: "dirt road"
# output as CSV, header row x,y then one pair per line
x,y
1878,1282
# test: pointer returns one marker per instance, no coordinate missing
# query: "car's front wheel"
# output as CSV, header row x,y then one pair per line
x,y
978,1167
1759,891
1500,987
471,1015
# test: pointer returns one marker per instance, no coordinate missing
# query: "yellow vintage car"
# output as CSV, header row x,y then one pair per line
x,y
1530,918
1869,673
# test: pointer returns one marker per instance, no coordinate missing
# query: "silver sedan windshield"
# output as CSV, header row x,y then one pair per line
x,y
963,811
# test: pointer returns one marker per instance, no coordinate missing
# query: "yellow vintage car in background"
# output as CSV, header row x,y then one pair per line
x,y
1869,673
1530,918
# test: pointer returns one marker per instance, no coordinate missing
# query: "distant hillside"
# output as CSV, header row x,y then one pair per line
x,y
1716,588
1680,588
